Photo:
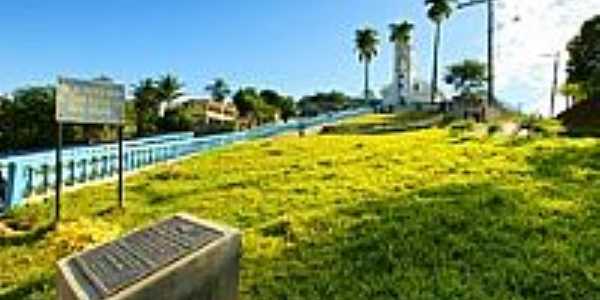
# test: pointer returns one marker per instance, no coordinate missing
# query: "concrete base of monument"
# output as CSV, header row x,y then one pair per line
x,y
141,266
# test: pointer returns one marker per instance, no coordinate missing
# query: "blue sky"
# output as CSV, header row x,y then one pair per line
x,y
298,47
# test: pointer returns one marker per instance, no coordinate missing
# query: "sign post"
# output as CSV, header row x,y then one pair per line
x,y
121,185
88,102
58,167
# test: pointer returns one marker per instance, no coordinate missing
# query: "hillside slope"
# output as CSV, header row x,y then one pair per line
x,y
417,215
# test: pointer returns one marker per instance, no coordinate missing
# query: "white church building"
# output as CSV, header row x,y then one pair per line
x,y
406,90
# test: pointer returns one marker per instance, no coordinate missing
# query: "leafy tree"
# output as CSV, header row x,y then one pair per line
x,y
467,76
284,104
250,104
438,11
27,121
177,119
323,102
18,132
219,90
147,103
366,41
573,93
271,97
288,108
245,101
35,103
6,123
264,112
584,62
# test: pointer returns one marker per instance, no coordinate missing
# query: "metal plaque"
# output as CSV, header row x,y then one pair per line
x,y
117,265
89,102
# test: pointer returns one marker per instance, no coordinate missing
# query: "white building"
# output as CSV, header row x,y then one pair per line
x,y
406,89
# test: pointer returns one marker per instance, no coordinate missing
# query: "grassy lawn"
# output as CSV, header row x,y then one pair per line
x,y
414,215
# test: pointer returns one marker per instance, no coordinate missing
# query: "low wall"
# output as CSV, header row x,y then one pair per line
x,y
33,174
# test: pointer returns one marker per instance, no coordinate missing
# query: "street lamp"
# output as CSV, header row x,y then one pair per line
x,y
491,26
556,57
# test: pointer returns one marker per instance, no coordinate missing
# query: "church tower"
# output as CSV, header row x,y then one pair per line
x,y
406,90
403,75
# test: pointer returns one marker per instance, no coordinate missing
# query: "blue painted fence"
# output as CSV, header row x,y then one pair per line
x,y
34,173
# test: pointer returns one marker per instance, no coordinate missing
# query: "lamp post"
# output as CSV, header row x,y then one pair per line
x,y
491,30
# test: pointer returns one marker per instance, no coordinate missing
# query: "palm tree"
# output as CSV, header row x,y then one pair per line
x,y
401,32
366,45
219,90
438,11
400,35
147,103
169,87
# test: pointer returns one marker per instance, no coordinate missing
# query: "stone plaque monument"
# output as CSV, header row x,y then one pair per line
x,y
177,258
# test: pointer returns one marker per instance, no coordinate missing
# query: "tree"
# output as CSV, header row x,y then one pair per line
x,y
438,11
288,108
573,93
323,102
250,104
583,66
245,101
284,104
35,103
169,88
177,119
147,103
467,76
27,120
366,41
219,90
400,33
5,118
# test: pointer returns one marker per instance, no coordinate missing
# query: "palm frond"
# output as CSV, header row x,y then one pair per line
x,y
367,41
401,32
439,9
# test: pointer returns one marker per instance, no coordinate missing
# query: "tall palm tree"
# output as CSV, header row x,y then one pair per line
x,y
169,87
219,90
438,11
366,42
400,35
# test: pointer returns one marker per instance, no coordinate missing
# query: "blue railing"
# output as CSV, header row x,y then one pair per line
x,y
33,174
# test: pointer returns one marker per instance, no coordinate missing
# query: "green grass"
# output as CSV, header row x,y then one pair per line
x,y
385,123
416,215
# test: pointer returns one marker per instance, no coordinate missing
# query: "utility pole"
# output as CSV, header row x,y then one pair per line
x,y
490,44
554,90
491,65
554,83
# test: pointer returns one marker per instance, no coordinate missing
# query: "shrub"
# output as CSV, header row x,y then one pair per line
x,y
463,125
549,127
543,127
494,128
